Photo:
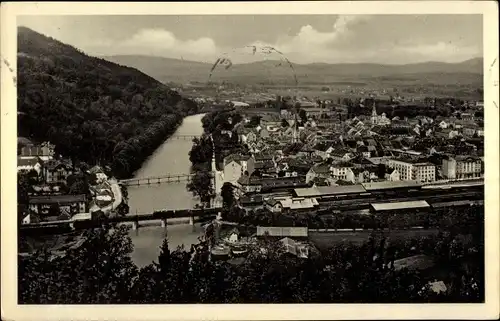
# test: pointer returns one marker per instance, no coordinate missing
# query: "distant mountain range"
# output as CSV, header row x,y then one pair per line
x,y
182,71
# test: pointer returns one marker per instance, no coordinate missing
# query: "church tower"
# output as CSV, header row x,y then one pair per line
x,y
374,115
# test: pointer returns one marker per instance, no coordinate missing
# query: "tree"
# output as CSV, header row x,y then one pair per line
x,y
201,152
24,186
227,193
381,170
201,186
122,209
78,184
98,271
54,210
255,121
303,115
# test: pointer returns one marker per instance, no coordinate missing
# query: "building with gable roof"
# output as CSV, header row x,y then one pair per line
x,y
235,166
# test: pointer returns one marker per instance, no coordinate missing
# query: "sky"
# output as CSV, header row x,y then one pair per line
x,y
386,39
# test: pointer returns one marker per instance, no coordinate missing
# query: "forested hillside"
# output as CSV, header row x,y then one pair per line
x,y
91,109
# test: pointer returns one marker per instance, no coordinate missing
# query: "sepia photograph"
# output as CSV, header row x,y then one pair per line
x,y
250,157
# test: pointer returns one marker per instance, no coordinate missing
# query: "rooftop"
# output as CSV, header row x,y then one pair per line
x,y
35,151
283,231
389,185
416,262
28,162
321,169
53,164
328,190
235,157
251,199
399,205
52,199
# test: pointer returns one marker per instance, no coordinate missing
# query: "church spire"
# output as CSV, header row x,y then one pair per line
x,y
374,115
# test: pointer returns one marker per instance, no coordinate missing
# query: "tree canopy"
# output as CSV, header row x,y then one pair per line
x,y
101,271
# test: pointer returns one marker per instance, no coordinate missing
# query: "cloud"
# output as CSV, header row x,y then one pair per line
x,y
161,42
310,44
309,36
440,51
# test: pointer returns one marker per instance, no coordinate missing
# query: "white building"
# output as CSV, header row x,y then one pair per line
x,y
218,177
279,204
29,164
342,172
234,167
45,152
462,167
413,171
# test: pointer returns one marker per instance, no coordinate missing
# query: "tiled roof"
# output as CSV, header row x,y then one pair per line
x,y
321,169
236,157
264,165
53,164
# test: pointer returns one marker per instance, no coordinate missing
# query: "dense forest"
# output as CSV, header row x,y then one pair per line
x,y
92,110
101,271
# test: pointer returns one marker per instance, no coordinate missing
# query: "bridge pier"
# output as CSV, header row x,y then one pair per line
x,y
191,220
163,222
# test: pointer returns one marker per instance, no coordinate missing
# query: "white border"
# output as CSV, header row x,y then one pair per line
x,y
11,311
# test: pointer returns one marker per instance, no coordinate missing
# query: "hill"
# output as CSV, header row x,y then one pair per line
x,y
181,71
93,110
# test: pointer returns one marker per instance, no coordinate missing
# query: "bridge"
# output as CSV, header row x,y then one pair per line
x,y
185,137
162,179
191,216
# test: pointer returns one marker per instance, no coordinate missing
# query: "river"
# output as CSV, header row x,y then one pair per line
x,y
170,158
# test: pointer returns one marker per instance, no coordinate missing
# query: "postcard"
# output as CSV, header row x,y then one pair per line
x,y
250,160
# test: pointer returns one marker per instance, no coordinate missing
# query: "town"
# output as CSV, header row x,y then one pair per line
x,y
310,148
